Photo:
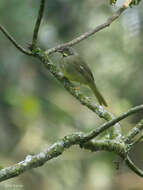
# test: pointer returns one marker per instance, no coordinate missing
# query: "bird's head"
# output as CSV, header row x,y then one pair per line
x,y
67,51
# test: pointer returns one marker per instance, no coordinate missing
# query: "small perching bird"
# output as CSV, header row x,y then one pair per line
x,y
75,69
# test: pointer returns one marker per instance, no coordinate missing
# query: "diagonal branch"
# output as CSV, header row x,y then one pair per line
x,y
110,123
89,33
133,132
35,33
84,100
37,25
19,47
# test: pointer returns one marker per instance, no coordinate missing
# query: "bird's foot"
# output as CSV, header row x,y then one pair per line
x,y
76,87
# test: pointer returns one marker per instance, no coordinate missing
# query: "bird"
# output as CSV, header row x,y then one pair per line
x,y
75,69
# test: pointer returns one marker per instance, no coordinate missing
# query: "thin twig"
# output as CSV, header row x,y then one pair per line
x,y
133,132
38,22
19,47
133,166
108,124
89,33
137,140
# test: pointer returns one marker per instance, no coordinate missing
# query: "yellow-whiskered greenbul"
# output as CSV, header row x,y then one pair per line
x,y
75,69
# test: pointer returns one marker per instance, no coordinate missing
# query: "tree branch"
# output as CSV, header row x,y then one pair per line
x,y
84,100
85,140
133,167
119,148
37,25
75,139
115,132
133,132
19,47
89,33
108,124
56,150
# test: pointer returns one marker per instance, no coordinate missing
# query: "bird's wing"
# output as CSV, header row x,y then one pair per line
x,y
84,69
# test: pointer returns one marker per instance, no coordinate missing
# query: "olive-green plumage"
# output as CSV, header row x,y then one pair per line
x,y
75,69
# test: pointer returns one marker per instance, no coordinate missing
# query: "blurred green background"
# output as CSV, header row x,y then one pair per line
x,y
35,110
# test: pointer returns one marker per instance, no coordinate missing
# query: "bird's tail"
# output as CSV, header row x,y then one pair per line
x,y
99,97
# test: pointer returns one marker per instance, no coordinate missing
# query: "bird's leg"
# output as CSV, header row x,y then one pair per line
x,y
76,87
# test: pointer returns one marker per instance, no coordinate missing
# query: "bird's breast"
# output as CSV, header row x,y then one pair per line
x,y
71,71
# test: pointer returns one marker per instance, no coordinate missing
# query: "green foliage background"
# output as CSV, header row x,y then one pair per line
x,y
35,110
